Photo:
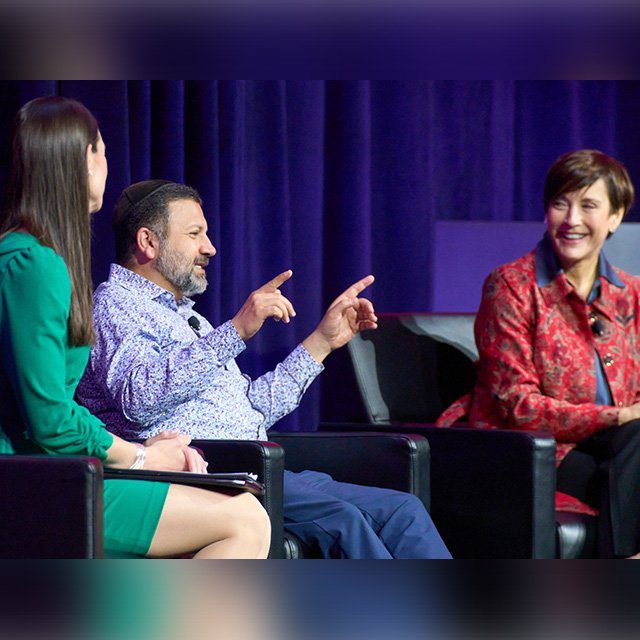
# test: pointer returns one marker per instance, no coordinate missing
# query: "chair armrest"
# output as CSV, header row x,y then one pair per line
x,y
394,461
51,507
492,491
266,459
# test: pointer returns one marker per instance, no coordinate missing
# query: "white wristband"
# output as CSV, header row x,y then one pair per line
x,y
141,457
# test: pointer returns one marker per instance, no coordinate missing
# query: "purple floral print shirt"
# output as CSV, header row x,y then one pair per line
x,y
149,371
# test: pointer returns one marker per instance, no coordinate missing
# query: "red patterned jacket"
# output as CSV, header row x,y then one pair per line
x,y
537,367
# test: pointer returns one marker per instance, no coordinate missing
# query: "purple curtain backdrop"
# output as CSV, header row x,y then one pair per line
x,y
336,179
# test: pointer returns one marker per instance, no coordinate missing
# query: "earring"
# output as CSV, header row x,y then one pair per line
x,y
89,172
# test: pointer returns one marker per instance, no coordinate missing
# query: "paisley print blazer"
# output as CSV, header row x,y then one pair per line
x,y
537,365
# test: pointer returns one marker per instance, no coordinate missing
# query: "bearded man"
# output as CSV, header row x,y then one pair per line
x,y
159,365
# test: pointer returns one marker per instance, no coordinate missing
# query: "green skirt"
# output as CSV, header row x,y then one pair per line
x,y
132,511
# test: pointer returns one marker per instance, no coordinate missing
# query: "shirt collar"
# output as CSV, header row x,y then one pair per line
x,y
548,266
140,285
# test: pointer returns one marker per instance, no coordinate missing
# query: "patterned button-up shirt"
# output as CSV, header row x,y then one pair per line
x,y
149,371
537,368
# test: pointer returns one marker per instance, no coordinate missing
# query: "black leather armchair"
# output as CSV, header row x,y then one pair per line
x,y
397,461
266,459
493,492
392,460
51,506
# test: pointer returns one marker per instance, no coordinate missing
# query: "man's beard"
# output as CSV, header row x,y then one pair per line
x,y
175,268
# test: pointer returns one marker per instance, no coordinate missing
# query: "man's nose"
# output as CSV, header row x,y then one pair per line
x,y
207,248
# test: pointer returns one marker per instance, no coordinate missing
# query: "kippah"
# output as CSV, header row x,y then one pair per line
x,y
133,196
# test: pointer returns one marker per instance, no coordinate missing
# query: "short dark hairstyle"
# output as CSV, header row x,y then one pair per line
x,y
580,169
149,208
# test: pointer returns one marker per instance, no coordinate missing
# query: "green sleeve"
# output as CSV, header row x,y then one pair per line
x,y
35,295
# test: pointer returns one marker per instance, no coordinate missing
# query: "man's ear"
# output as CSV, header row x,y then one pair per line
x,y
147,243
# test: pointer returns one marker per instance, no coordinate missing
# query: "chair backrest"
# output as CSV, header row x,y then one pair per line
x,y
414,365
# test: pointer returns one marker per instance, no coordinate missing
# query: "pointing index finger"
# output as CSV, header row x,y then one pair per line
x,y
359,287
279,279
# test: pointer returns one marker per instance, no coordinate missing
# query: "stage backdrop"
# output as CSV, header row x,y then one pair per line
x,y
338,179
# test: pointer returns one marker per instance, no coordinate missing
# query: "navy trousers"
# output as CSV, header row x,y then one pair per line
x,y
351,521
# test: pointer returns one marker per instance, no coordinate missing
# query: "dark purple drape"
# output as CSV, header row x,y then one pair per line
x,y
338,179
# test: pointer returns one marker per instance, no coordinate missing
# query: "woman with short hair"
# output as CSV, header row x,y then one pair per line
x,y
558,335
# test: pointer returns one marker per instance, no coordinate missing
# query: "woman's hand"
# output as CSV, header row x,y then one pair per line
x,y
168,454
627,414
163,435
195,462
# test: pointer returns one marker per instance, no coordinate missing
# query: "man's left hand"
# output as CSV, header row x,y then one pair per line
x,y
346,316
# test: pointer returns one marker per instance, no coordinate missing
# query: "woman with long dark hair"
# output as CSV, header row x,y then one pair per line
x,y
57,180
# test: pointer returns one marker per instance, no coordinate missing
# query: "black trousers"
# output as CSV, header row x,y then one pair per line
x,y
604,472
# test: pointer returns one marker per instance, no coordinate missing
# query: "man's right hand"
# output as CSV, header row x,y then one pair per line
x,y
265,302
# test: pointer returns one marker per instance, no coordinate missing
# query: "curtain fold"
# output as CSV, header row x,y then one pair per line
x,y
336,179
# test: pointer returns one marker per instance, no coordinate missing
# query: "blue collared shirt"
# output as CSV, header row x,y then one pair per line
x,y
548,268
148,370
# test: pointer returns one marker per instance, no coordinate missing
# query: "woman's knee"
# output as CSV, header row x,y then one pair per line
x,y
193,518
250,520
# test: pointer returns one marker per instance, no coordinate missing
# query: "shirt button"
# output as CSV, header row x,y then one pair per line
x,y
620,403
608,360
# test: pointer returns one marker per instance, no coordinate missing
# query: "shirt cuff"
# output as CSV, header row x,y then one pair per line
x,y
103,444
225,341
97,438
302,367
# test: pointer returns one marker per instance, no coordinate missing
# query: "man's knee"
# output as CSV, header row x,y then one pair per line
x,y
342,511
411,503
328,515
399,506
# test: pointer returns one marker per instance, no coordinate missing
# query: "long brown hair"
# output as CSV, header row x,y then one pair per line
x,y
48,193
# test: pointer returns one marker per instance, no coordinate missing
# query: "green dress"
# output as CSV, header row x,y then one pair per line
x,y
39,373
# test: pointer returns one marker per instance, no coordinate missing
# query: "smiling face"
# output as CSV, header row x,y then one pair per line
x,y
579,222
185,251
